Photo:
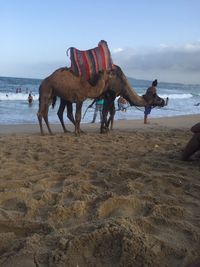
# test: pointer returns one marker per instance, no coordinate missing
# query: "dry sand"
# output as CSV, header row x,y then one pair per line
x,y
120,199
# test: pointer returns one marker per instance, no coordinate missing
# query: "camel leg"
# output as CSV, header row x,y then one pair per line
x,y
111,122
60,114
45,116
43,113
70,112
104,122
78,117
192,146
111,118
39,115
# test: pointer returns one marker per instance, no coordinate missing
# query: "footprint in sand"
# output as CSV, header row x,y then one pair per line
x,y
122,206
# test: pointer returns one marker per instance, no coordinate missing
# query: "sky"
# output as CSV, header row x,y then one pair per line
x,y
148,39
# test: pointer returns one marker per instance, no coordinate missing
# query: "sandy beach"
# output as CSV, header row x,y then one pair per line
x,y
118,199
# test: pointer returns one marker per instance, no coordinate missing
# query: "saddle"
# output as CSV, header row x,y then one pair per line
x,y
87,63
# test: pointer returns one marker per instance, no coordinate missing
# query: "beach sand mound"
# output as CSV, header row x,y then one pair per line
x,y
122,199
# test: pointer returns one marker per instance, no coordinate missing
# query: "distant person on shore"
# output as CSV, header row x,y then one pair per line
x,y
30,99
122,104
194,143
150,91
98,108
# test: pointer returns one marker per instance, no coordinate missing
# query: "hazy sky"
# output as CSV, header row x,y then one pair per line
x,y
148,38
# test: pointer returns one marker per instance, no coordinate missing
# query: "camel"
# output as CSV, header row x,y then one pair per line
x,y
118,83
72,88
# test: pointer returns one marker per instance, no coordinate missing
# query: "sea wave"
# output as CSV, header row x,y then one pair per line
x,y
176,96
16,97
23,96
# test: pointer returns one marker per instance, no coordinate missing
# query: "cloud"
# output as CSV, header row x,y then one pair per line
x,y
167,62
117,50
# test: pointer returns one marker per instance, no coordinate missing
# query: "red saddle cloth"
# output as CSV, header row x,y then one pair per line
x,y
89,62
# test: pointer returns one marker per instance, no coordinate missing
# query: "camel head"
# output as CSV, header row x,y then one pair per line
x,y
154,100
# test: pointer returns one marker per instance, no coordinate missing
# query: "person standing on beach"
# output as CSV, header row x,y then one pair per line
x,y
108,108
122,104
98,108
150,91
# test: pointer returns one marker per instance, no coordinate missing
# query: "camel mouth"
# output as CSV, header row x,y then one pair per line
x,y
161,103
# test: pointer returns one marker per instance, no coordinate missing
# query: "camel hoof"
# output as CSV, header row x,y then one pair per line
x,y
104,131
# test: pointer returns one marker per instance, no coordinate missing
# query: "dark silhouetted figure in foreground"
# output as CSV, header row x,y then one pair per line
x,y
194,143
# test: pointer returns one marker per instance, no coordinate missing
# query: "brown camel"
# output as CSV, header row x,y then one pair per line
x,y
119,85
72,88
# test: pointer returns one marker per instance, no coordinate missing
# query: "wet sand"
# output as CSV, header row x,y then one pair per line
x,y
118,199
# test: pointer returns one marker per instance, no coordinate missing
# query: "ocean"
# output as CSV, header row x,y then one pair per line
x,y
14,107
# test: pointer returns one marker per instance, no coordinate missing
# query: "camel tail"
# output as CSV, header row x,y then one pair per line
x,y
39,99
54,101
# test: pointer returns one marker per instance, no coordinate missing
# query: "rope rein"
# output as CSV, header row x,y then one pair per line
x,y
129,106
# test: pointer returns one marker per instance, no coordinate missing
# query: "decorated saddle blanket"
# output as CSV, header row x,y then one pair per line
x,y
89,62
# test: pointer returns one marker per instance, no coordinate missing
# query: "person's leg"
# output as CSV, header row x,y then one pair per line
x,y
145,119
124,107
95,114
119,106
147,111
192,146
100,112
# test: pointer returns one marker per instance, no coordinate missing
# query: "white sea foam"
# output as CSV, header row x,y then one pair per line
x,y
16,96
176,96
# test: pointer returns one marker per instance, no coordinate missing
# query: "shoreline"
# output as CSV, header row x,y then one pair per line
x,y
183,122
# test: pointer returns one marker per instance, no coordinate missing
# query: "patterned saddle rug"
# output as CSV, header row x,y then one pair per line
x,y
89,62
